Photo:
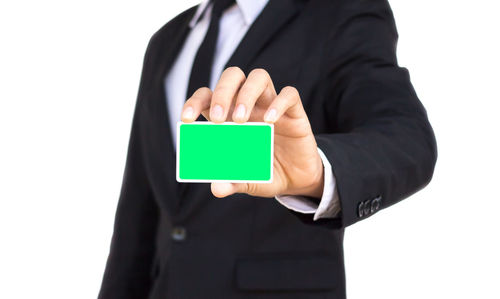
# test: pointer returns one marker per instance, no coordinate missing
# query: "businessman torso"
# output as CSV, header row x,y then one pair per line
x,y
174,241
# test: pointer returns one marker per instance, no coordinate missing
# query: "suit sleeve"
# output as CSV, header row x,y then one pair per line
x,y
130,263
383,149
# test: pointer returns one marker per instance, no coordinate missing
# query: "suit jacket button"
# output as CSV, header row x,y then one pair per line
x,y
178,233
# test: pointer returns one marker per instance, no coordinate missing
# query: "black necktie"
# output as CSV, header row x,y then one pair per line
x,y
202,65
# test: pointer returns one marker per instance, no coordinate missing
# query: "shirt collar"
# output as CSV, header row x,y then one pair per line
x,y
249,8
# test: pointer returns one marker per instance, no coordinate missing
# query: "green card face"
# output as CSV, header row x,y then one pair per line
x,y
229,152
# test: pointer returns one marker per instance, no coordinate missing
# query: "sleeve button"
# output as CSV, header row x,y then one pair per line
x,y
367,207
361,209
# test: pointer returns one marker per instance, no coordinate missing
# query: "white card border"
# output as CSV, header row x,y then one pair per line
x,y
179,123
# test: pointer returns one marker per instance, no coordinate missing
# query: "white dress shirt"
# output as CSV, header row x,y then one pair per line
x,y
234,23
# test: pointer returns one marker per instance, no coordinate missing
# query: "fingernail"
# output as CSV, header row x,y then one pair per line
x,y
271,115
217,112
188,113
240,112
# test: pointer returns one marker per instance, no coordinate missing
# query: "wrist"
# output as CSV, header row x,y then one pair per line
x,y
315,188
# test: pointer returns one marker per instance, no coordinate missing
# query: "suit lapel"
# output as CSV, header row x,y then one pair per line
x,y
274,16
162,149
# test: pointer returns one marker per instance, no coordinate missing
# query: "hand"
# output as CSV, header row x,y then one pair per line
x,y
298,169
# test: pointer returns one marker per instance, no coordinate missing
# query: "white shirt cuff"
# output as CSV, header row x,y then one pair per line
x,y
329,205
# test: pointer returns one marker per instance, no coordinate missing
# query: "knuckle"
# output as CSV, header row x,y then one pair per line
x,y
199,96
221,91
235,71
290,90
260,72
291,93
201,92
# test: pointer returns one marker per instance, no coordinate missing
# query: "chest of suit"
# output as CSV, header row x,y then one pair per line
x,y
280,45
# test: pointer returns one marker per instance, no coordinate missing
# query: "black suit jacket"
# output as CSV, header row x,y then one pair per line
x,y
172,242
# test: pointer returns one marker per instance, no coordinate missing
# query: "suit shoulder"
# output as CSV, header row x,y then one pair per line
x,y
173,24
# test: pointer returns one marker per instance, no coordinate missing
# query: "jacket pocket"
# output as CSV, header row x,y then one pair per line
x,y
287,273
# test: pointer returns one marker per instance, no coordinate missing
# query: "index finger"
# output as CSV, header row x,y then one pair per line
x,y
225,91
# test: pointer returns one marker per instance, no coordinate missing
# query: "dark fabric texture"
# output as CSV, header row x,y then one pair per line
x,y
367,119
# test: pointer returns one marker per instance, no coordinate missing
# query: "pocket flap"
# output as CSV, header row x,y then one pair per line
x,y
313,273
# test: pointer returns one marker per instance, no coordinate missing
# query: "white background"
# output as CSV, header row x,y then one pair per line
x,y
69,73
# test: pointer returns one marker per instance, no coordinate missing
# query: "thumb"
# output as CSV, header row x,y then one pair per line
x,y
224,189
